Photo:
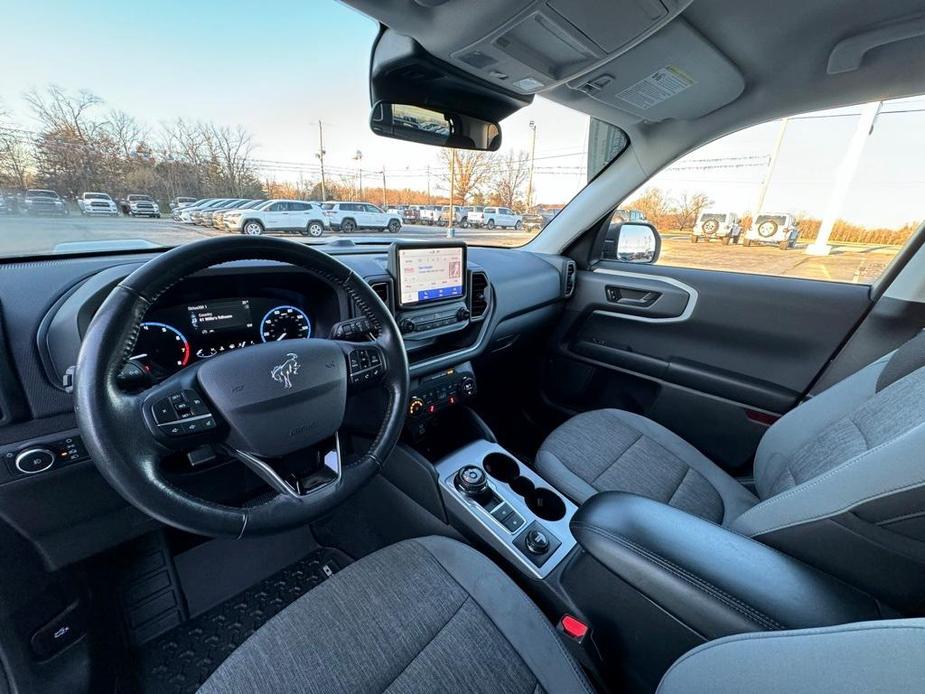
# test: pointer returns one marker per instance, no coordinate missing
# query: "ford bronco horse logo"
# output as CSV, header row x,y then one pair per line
x,y
284,372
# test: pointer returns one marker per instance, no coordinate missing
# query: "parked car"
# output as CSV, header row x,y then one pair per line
x,y
182,214
42,201
7,204
187,213
493,217
716,225
180,202
138,205
299,216
411,214
350,216
427,214
459,212
778,229
540,217
218,216
198,217
97,203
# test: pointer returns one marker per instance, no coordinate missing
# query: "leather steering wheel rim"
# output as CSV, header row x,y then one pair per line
x,y
119,438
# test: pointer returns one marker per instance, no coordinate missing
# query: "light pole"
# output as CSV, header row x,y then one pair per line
x,y
358,158
532,127
320,154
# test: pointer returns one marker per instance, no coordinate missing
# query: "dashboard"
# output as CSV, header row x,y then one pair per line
x,y
56,497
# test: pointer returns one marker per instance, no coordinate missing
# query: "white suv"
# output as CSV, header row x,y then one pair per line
x,y
97,203
278,215
350,216
716,225
491,217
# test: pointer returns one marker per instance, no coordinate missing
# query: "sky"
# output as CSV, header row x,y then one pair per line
x,y
278,73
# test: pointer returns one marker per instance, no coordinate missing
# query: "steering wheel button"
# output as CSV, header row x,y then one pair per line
x,y
163,412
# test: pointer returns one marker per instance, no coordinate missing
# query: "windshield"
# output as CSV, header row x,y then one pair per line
x,y
73,118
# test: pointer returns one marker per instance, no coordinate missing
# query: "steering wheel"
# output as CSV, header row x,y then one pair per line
x,y
267,403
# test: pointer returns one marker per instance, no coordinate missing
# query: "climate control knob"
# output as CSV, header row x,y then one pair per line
x,y
462,314
406,325
415,406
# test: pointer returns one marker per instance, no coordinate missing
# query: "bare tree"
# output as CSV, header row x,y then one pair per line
x,y
15,152
473,172
688,208
130,137
655,204
510,176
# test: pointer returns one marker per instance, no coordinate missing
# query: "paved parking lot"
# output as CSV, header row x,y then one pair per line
x,y
27,235
847,263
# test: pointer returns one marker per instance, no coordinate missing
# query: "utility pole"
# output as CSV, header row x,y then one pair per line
x,y
358,158
772,163
320,155
532,127
430,200
847,169
385,199
451,219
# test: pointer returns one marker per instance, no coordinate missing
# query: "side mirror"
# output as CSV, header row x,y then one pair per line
x,y
632,242
430,127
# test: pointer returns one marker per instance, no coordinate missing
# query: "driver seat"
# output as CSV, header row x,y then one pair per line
x,y
423,615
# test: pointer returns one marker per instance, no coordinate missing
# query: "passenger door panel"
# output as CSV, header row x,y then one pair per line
x,y
714,356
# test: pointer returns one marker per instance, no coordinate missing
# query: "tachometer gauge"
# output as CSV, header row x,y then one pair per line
x,y
161,349
285,323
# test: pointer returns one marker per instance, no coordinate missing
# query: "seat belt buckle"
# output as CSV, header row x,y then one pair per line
x,y
574,628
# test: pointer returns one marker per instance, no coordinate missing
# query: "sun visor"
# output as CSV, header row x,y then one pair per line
x,y
673,74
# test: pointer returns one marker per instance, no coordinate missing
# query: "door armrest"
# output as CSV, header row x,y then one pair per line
x,y
713,580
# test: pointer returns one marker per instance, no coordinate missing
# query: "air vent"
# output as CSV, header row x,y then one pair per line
x,y
479,295
384,291
569,278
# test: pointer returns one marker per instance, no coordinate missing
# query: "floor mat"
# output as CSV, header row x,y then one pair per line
x,y
182,659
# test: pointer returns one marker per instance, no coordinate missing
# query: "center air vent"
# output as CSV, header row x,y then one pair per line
x,y
479,295
569,278
384,291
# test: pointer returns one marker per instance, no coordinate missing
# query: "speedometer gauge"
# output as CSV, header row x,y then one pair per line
x,y
285,323
161,349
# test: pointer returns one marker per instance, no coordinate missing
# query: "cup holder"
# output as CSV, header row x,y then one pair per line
x,y
522,485
546,504
502,467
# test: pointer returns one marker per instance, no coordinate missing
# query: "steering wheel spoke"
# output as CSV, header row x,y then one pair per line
x,y
178,416
298,474
366,363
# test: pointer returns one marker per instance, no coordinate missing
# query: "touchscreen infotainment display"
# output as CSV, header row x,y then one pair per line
x,y
430,274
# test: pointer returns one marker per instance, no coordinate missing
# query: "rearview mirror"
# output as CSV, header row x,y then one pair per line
x,y
432,127
632,242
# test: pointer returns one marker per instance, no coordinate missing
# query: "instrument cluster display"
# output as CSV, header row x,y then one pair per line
x,y
176,336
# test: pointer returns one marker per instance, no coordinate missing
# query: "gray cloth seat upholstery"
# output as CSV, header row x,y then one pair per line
x,y
424,615
884,657
840,479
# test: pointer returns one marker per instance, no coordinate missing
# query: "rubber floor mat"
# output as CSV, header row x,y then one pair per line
x,y
183,658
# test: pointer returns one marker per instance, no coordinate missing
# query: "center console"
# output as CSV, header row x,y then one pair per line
x,y
507,505
432,288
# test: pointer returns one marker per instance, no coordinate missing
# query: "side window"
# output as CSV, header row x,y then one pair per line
x,y
278,207
299,206
829,195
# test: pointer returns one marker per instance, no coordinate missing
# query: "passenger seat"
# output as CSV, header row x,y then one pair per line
x,y
840,479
